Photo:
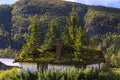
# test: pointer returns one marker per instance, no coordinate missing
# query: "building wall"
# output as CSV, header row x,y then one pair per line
x,y
28,66
33,67
4,67
95,66
60,67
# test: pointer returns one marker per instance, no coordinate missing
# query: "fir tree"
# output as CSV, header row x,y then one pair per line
x,y
51,35
30,49
74,36
71,27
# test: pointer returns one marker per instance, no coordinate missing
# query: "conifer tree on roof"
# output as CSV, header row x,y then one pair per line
x,y
30,49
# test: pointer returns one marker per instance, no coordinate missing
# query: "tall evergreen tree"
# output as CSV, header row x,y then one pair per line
x,y
74,36
30,49
71,27
51,35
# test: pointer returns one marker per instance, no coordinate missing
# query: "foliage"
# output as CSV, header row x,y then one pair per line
x,y
101,20
111,48
30,49
8,52
51,35
109,44
10,74
74,36
70,74
5,26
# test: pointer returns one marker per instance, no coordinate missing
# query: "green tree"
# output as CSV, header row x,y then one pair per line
x,y
74,36
30,49
71,27
51,35
110,47
114,60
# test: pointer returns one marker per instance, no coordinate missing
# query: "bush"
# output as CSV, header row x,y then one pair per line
x,y
70,74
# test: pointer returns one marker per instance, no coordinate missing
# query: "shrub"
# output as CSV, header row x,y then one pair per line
x,y
69,74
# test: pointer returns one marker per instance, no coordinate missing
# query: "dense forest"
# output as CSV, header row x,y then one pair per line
x,y
102,24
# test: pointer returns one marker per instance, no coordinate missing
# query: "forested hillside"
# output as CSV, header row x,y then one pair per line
x,y
15,20
5,25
